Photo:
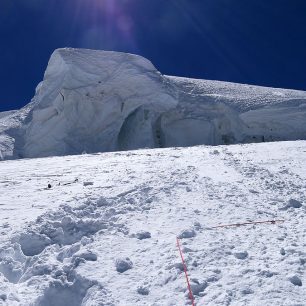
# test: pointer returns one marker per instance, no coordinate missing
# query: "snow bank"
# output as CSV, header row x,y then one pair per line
x,y
98,101
214,112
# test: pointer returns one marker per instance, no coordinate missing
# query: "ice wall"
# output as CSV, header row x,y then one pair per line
x,y
93,101
96,101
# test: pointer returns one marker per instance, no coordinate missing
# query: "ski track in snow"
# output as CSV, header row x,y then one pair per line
x,y
105,232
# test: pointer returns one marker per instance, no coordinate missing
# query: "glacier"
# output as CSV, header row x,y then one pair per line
x,y
102,101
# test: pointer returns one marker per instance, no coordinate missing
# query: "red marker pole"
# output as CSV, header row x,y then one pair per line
x,y
185,270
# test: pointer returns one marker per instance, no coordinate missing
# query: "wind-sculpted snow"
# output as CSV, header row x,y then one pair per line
x,y
97,101
113,242
214,112
94,102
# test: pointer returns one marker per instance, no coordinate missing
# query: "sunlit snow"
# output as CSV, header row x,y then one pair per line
x,y
83,228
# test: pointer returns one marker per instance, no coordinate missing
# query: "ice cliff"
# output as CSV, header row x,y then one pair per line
x,y
96,101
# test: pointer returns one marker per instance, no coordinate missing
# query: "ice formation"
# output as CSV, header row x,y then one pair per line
x,y
97,101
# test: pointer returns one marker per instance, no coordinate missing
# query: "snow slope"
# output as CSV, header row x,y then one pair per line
x,y
105,232
97,101
7,113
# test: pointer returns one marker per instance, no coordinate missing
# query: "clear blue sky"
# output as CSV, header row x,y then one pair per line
x,y
259,42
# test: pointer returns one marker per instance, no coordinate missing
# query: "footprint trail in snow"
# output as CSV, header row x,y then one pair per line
x,y
105,232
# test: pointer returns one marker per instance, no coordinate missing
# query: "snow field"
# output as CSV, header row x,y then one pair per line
x,y
113,241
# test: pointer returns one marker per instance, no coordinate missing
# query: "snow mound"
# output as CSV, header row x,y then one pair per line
x,y
98,101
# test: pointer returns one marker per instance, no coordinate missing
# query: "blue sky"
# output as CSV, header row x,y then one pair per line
x,y
259,42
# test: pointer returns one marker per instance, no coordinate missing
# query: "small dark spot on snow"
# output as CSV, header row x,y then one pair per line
x,y
292,203
295,280
195,280
3,297
241,255
187,250
178,266
123,264
212,279
267,274
143,235
198,287
282,251
245,291
197,226
143,290
187,233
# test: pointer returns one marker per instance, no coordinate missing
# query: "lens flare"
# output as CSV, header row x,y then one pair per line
x,y
108,22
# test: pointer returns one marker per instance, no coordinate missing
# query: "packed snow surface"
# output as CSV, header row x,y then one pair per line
x,y
100,229
98,101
